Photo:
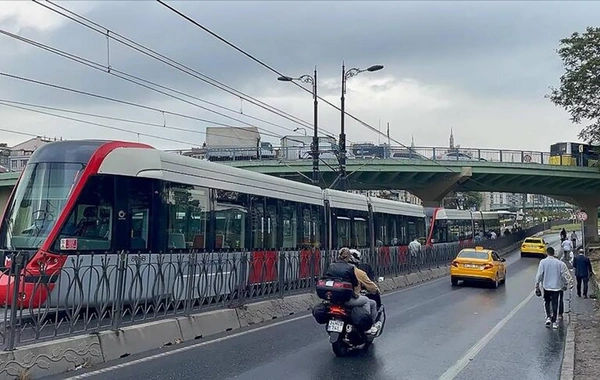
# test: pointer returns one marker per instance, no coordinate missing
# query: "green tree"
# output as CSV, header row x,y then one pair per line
x,y
463,201
579,91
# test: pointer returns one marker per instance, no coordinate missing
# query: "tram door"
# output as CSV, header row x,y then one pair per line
x,y
137,204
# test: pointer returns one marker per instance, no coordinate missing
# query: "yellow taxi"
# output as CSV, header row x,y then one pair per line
x,y
478,265
533,246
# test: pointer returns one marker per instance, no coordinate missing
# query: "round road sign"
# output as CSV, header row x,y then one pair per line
x,y
582,216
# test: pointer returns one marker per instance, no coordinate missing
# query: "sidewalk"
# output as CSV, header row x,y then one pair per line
x,y
586,327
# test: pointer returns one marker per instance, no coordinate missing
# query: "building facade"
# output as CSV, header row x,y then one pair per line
x,y
15,158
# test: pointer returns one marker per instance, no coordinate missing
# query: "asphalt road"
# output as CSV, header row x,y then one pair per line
x,y
433,331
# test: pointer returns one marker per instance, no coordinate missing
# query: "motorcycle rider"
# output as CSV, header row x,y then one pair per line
x,y
342,269
356,260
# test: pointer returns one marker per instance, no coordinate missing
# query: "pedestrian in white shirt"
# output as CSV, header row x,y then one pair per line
x,y
554,276
567,247
414,248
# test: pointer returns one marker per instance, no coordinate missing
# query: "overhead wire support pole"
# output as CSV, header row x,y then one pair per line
x,y
345,76
314,146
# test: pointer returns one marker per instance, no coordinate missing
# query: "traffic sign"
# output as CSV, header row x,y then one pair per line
x,y
580,148
582,216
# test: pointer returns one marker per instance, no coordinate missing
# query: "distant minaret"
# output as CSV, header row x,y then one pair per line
x,y
412,141
451,139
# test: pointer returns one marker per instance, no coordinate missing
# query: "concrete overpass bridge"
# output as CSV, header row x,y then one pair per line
x,y
433,180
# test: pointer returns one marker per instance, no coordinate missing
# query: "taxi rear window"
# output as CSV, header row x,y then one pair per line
x,y
533,241
474,255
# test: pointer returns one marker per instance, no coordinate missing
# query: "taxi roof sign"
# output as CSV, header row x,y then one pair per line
x,y
479,248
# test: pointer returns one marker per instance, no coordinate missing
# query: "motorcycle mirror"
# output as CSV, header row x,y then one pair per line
x,y
380,279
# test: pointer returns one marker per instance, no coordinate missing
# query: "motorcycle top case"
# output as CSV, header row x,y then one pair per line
x,y
321,313
335,291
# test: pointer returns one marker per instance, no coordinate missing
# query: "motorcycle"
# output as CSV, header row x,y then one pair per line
x,y
345,325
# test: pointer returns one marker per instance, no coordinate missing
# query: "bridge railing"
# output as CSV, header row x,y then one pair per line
x,y
105,291
392,152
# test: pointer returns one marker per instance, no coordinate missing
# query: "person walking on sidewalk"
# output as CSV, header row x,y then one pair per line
x,y
583,270
553,275
567,247
574,240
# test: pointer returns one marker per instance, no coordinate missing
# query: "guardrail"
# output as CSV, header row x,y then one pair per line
x,y
385,152
94,292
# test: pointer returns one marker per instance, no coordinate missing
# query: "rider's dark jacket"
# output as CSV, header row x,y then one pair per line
x,y
342,271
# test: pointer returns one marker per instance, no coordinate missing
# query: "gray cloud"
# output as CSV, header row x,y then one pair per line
x,y
502,50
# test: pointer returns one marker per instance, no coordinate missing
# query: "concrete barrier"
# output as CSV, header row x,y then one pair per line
x,y
140,338
49,358
208,323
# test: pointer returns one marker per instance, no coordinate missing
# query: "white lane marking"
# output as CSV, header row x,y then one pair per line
x,y
457,368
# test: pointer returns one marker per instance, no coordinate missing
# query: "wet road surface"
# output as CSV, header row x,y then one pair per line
x,y
433,331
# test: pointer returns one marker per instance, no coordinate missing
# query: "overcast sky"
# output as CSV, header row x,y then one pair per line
x,y
481,68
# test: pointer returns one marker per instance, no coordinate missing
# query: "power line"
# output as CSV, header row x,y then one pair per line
x,y
115,100
168,61
9,103
96,124
19,132
253,58
127,77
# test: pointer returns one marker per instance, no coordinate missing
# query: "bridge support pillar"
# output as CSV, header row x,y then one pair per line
x,y
590,205
590,226
433,195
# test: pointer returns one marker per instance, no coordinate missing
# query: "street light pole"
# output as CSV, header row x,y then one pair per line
x,y
314,147
345,76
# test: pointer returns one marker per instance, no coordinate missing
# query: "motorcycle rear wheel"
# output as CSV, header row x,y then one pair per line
x,y
340,349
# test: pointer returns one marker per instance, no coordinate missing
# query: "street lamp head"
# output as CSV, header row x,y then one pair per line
x,y
375,68
285,79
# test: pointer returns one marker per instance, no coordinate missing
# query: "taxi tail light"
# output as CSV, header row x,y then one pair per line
x,y
455,264
541,247
488,266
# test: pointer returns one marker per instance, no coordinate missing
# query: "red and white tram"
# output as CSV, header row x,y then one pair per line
x,y
75,198
449,226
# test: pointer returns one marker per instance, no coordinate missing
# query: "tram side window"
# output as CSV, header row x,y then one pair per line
x,y
258,221
290,224
343,229
361,232
311,226
140,209
316,216
440,231
188,210
393,230
231,215
382,232
412,229
271,225
89,226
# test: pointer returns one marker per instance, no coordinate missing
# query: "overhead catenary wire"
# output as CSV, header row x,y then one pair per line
x,y
115,100
115,36
96,124
8,103
270,68
130,78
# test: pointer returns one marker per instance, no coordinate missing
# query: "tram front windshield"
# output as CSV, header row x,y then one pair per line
x,y
39,199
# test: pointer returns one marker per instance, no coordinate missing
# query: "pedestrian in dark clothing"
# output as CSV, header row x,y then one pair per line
x,y
583,269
